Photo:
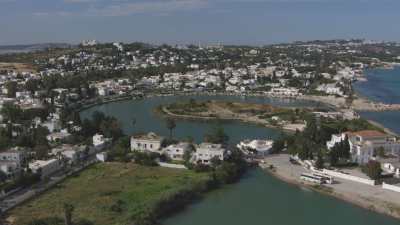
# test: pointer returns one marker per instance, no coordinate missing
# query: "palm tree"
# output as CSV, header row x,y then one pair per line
x,y
171,125
134,122
68,209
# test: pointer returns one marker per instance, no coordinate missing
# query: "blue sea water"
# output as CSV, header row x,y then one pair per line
x,y
383,85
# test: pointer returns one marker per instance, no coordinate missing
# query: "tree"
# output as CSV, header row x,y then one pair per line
x,y
11,88
97,118
111,128
11,112
32,85
372,169
319,164
187,155
380,152
68,210
41,151
278,145
334,155
3,176
345,148
217,136
215,161
171,125
5,140
40,135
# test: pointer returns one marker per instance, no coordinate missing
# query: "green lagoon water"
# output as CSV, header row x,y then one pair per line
x,y
258,199
146,120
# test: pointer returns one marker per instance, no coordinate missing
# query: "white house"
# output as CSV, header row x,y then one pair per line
x,y
364,143
102,156
58,136
45,167
100,142
331,89
378,139
148,142
73,153
10,168
15,155
52,125
256,147
12,161
176,151
335,138
206,151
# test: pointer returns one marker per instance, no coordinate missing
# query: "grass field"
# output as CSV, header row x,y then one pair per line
x,y
107,194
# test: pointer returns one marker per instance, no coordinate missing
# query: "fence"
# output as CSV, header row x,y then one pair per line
x,y
170,165
390,187
349,177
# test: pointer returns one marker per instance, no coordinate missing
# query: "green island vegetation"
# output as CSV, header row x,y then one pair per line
x,y
262,113
214,108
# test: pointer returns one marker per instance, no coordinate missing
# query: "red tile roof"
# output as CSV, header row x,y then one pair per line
x,y
369,133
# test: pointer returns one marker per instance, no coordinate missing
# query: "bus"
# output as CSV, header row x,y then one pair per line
x,y
311,178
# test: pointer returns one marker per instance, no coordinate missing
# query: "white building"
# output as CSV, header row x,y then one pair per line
x,y
58,136
10,168
45,167
13,161
176,152
206,151
102,156
256,147
100,142
331,89
52,125
364,143
149,142
15,155
73,153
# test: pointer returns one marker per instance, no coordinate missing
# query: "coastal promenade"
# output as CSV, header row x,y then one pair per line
x,y
369,197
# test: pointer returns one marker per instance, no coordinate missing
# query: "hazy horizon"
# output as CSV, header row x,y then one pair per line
x,y
236,22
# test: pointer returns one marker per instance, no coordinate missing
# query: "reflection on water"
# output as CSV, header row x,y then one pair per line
x,y
258,199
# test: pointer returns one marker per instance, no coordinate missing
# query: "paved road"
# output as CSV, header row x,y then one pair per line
x,y
376,197
23,195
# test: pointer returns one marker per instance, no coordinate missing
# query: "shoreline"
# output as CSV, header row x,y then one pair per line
x,y
166,113
380,207
371,204
360,103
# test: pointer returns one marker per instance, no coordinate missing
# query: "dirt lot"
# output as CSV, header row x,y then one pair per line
x,y
17,67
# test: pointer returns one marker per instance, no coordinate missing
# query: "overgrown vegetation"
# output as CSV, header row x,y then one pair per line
x,y
311,143
116,193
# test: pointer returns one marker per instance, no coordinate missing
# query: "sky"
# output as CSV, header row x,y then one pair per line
x,y
251,22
